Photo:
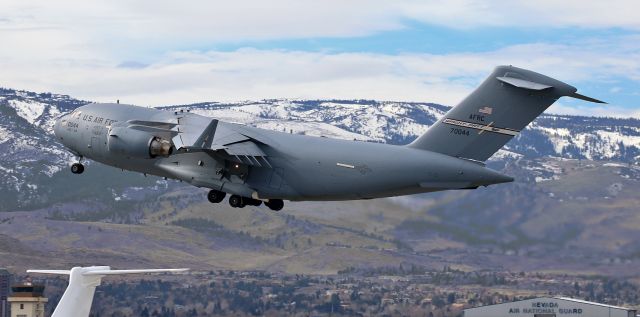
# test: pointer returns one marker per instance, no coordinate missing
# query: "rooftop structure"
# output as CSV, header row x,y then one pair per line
x,y
27,300
550,307
5,281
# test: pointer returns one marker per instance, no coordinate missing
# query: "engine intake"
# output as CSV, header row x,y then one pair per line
x,y
160,147
138,144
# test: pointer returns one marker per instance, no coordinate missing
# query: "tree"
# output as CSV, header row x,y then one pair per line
x,y
451,298
335,303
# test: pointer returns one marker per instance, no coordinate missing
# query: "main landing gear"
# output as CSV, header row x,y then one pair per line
x,y
239,202
236,201
77,168
275,204
216,196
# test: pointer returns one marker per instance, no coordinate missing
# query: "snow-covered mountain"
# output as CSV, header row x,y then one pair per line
x,y
31,160
401,122
28,153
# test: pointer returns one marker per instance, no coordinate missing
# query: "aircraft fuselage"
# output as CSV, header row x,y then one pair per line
x,y
299,167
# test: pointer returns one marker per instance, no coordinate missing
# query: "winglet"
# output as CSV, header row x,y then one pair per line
x,y
585,98
206,138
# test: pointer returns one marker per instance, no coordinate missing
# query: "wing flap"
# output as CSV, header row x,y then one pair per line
x,y
246,148
247,152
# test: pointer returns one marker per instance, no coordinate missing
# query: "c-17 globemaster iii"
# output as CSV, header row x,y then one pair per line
x,y
256,165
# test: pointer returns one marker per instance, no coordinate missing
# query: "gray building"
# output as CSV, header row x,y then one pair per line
x,y
550,307
5,281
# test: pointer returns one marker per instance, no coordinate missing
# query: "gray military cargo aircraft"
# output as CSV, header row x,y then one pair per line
x,y
256,165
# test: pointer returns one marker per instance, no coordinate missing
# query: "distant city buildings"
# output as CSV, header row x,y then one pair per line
x,y
27,300
5,281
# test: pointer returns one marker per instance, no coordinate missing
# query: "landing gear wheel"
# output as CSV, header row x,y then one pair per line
x,y
77,168
236,201
216,196
275,204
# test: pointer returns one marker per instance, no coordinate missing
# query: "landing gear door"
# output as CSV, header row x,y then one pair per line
x,y
98,144
276,178
95,145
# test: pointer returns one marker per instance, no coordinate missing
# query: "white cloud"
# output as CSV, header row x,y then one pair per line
x,y
159,52
185,77
598,110
147,25
525,13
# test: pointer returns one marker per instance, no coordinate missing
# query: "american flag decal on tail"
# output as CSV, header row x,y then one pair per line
x,y
486,110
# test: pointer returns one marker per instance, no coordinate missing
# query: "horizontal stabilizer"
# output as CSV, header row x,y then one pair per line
x,y
59,272
102,271
521,83
118,272
585,98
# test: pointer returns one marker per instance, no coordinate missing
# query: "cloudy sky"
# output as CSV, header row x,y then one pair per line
x,y
168,52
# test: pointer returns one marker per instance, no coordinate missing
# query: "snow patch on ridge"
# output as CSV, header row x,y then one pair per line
x,y
29,110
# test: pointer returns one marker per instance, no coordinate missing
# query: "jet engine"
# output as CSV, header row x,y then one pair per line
x,y
138,144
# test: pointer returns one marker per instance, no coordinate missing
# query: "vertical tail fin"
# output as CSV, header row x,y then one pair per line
x,y
77,299
505,103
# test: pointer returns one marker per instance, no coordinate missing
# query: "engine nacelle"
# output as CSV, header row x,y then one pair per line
x,y
137,144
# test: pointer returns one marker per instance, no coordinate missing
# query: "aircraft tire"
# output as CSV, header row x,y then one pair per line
x,y
275,204
236,201
216,196
77,168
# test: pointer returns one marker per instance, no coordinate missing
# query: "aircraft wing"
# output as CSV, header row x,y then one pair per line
x,y
189,132
237,145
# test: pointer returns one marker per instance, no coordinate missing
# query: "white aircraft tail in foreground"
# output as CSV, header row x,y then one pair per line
x,y
76,300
